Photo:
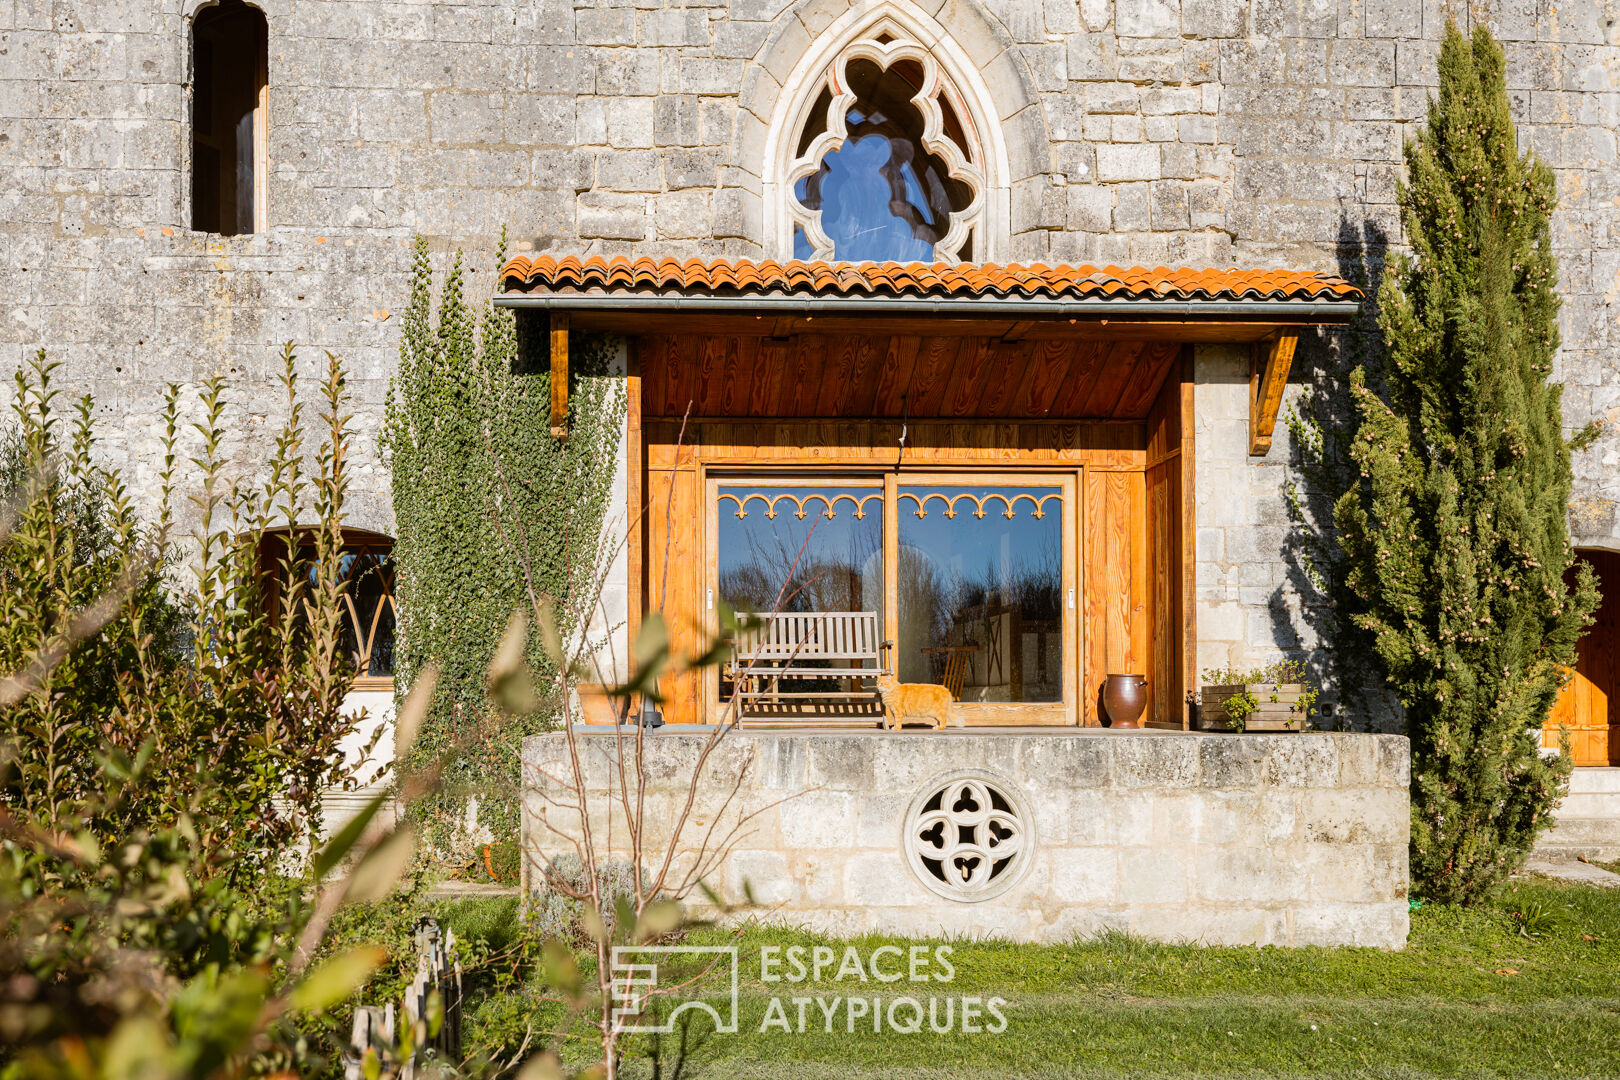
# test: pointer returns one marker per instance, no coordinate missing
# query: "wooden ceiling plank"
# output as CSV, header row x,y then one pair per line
x,y
804,377
874,361
1116,373
742,367
683,366
1144,386
969,382
767,385
1009,366
898,364
1044,380
711,373
1084,371
921,395
839,376
655,359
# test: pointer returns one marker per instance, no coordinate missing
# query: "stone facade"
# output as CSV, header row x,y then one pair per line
x,y
1204,132
1222,839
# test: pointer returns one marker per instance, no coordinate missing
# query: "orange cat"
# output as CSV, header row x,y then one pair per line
x,y
914,702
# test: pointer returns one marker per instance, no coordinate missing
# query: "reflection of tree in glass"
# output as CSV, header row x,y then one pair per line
x,y
925,612
940,607
1032,587
817,579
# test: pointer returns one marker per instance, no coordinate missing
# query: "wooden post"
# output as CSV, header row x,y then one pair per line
x,y
1268,375
559,374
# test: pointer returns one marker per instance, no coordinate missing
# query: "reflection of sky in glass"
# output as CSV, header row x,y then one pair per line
x,y
839,558
993,547
855,206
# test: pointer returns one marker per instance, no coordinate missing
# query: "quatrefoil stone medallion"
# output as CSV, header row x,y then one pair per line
x,y
969,834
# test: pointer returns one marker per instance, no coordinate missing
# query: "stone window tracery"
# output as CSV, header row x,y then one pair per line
x,y
885,166
969,835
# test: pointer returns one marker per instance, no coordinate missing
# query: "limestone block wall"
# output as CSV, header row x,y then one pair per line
x,y
1279,839
1204,132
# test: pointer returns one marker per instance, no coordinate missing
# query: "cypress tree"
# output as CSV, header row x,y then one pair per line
x,y
1454,531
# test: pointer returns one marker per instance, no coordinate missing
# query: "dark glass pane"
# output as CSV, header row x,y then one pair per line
x,y
980,583
953,126
366,635
801,549
229,50
882,195
815,552
372,589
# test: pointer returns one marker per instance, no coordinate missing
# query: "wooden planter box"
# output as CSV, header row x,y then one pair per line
x,y
1280,714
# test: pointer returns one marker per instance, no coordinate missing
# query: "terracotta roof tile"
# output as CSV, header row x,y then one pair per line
x,y
745,277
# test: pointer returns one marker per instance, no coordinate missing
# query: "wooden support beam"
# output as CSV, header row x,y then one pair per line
x,y
1268,375
559,374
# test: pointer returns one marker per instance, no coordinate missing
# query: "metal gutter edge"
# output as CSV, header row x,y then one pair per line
x,y
1332,311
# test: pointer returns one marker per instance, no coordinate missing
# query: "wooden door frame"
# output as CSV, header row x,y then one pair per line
x,y
1069,711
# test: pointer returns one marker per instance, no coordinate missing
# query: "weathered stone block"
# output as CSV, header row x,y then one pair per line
x,y
1169,763
1132,207
1128,162
612,217
1153,877
465,119
1091,207
691,168
1212,18
1147,18
1083,876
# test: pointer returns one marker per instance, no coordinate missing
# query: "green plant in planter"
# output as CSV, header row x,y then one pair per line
x,y
1243,704
1238,709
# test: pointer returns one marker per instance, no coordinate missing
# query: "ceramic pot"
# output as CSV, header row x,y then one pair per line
x,y
1124,696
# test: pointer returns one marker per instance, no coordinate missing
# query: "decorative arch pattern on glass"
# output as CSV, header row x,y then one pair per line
x,y
801,505
887,168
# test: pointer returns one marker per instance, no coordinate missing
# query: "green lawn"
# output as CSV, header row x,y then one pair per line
x,y
1471,996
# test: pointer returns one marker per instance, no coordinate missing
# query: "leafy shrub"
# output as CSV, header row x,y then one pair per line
x,y
160,737
183,691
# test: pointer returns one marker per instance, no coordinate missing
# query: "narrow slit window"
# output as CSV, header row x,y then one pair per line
x,y
230,61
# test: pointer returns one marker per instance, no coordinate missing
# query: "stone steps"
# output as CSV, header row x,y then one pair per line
x,y
1588,819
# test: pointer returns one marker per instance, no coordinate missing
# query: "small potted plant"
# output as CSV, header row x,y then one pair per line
x,y
1276,697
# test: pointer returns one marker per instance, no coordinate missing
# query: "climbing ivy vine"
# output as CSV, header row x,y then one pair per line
x,y
476,472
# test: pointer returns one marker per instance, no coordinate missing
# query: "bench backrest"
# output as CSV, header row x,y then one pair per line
x,y
812,635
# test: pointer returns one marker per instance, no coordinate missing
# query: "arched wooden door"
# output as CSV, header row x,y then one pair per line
x,y
1586,706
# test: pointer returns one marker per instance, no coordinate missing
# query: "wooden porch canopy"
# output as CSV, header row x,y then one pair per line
x,y
1012,305
1072,376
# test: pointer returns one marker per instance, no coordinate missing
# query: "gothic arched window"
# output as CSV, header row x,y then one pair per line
x,y
885,167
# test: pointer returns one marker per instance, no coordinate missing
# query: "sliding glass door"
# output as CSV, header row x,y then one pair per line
x,y
968,579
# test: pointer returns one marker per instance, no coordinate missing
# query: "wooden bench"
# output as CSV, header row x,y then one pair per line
x,y
840,646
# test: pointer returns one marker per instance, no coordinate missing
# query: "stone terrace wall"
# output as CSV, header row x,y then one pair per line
x,y
1253,839
1208,132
